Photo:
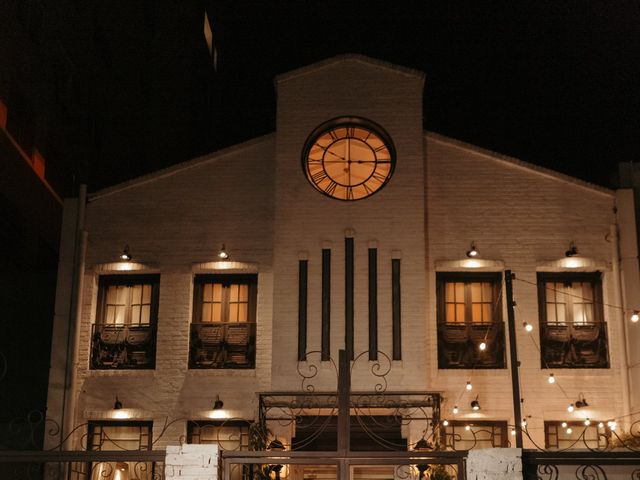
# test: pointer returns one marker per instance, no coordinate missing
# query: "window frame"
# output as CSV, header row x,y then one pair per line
x,y
595,278
93,424
250,279
577,443
106,281
442,278
482,425
239,424
220,352
570,344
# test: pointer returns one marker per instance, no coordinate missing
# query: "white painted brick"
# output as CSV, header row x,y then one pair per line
x,y
442,196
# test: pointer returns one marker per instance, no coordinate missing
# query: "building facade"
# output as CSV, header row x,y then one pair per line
x,y
349,228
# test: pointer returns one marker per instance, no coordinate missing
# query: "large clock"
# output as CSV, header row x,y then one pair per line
x,y
348,158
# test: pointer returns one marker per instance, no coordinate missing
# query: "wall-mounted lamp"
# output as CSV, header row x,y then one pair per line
x,y
118,410
475,405
581,402
423,445
573,250
223,254
473,251
125,255
218,404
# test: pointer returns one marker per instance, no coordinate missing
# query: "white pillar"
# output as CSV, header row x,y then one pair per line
x,y
495,464
191,462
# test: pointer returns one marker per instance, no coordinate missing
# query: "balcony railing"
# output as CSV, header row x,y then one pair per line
x,y
459,345
581,345
222,345
123,346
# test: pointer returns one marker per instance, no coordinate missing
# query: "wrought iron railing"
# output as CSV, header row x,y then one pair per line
x,y
459,345
123,346
574,345
575,465
222,345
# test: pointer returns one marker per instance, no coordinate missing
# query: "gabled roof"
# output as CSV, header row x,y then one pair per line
x,y
181,167
547,172
348,57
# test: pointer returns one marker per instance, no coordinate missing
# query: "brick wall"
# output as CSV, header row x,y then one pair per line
x,y
254,199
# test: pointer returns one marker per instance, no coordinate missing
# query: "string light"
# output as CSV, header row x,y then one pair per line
x,y
483,346
455,410
601,425
524,423
467,427
551,378
564,424
513,431
469,386
569,430
587,422
527,326
445,422
570,408
635,316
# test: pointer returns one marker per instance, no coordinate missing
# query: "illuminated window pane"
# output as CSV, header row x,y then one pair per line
x,y
216,312
146,297
476,292
476,312
486,312
451,313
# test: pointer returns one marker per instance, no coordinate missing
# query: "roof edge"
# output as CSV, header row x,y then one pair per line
x,y
179,167
308,69
520,163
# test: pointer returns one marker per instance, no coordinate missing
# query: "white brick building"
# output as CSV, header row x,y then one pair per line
x,y
159,331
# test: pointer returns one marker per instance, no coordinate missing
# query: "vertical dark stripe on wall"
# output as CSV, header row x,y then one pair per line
x,y
302,309
373,304
395,306
326,304
348,296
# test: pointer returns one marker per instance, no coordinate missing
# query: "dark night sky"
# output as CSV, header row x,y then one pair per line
x,y
552,82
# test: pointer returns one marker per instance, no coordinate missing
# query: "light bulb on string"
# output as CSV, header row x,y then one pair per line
x,y
469,386
455,410
445,422
587,422
570,408
569,430
564,424
551,378
483,346
635,316
527,326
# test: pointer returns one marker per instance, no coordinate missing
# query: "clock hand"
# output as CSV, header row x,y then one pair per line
x,y
335,155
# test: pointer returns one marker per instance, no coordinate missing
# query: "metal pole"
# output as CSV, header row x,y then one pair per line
x,y
344,394
513,353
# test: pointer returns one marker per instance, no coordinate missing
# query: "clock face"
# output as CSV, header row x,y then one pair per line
x,y
348,158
